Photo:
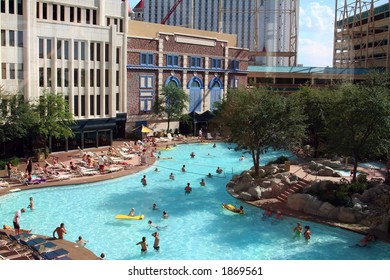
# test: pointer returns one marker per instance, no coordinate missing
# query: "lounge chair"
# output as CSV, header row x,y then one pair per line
x,y
87,172
41,248
55,254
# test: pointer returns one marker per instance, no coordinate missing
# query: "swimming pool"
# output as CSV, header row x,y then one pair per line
x,y
197,229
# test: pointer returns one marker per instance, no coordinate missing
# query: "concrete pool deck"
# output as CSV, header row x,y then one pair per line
x,y
82,253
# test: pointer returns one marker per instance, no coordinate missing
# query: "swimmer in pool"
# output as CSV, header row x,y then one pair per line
x,y
144,245
297,230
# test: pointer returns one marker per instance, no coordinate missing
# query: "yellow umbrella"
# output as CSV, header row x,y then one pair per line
x,y
146,129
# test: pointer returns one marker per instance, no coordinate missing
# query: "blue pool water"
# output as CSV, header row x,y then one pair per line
x,y
197,229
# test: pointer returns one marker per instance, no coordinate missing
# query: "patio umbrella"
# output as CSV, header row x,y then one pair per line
x,y
146,129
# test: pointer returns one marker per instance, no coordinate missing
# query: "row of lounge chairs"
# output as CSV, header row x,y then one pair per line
x,y
29,247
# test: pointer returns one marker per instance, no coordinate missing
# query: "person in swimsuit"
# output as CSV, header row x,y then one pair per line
x,y
132,212
144,245
143,181
188,189
31,204
307,233
156,244
171,176
60,231
298,230
202,183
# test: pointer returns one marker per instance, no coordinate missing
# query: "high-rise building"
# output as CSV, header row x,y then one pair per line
x,y
361,34
268,28
77,48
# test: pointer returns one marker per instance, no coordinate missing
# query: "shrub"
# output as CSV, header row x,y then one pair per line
x,y
279,160
2,164
15,161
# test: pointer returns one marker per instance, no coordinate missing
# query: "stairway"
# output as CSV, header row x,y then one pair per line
x,y
292,189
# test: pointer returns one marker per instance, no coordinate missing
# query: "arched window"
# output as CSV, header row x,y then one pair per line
x,y
215,87
195,86
171,80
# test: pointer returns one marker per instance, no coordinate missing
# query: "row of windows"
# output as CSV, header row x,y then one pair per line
x,y
12,6
93,100
64,13
117,22
15,71
147,59
79,77
15,38
45,49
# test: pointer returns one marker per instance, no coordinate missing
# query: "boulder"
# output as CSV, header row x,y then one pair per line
x,y
246,196
328,210
255,192
346,215
266,193
312,206
325,171
266,184
336,164
242,187
297,201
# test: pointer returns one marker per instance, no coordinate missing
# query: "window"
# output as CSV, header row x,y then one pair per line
x,y
59,49
145,101
98,78
38,9
117,78
121,25
3,39
234,83
92,52
82,49
20,71
82,101
66,49
98,51
4,71
94,18
3,6
11,6
235,64
172,60
146,59
59,77
91,105
195,62
55,14
146,82
88,16
41,77
20,7
66,77
106,104
216,63
76,50
82,78
12,71
117,101
11,38
106,78
76,105
98,102
78,15
48,48
44,11
40,48
48,75
106,53
118,51
76,77
91,77
108,21
20,39
62,13
71,14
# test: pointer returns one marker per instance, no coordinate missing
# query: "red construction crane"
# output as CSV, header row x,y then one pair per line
x,y
171,12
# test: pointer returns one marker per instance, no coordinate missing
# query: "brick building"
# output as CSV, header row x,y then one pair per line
x,y
203,63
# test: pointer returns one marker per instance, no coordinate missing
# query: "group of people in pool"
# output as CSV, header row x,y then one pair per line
x,y
156,244
298,231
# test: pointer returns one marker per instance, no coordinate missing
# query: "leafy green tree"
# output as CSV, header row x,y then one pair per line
x,y
54,117
17,116
259,120
315,103
172,103
358,124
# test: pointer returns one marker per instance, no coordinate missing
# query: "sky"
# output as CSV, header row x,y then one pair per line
x,y
315,34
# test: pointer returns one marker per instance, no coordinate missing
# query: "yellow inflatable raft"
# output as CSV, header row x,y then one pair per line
x,y
126,217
